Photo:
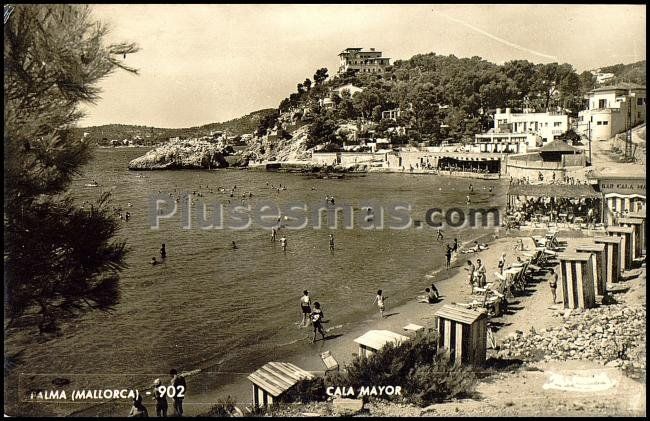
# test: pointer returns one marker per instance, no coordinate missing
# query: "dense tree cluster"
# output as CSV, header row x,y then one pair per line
x,y
444,97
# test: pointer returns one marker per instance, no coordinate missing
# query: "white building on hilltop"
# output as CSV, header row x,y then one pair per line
x,y
612,110
365,61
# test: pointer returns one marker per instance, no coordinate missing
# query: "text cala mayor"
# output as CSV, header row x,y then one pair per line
x,y
364,391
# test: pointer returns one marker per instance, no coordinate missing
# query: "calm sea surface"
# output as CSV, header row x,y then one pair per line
x,y
209,305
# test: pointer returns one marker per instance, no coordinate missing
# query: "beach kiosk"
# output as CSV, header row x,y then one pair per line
x,y
641,217
462,333
598,264
373,340
577,284
613,257
637,237
274,379
627,236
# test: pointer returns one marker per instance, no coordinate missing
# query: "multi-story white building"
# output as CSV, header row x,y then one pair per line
x,y
493,142
366,61
612,110
548,125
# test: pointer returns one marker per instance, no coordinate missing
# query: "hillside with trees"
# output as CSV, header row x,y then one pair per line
x,y
102,135
440,98
633,72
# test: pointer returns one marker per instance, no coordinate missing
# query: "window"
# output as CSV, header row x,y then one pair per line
x,y
557,124
602,103
599,123
640,101
605,123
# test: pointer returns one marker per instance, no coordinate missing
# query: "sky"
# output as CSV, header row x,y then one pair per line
x,y
204,63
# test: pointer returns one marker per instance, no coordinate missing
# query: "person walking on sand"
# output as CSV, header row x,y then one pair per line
x,y
317,320
283,243
379,299
305,307
552,282
331,242
448,256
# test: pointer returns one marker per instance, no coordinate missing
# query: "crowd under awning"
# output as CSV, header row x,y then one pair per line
x,y
569,191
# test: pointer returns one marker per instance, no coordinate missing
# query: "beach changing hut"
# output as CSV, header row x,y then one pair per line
x,y
274,379
577,284
641,217
462,333
598,264
637,238
627,243
613,257
373,340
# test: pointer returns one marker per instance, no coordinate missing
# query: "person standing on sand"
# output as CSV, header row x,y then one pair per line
x,y
502,262
161,400
178,382
448,256
379,299
305,307
552,282
471,269
317,320
480,270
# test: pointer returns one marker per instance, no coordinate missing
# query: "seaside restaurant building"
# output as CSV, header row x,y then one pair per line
x,y
623,192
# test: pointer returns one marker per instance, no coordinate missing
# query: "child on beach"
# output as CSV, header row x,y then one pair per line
x,y
305,307
552,282
317,320
379,299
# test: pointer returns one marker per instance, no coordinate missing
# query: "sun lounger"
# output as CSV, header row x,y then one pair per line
x,y
329,361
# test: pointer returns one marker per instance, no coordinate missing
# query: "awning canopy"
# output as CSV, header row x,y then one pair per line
x,y
571,191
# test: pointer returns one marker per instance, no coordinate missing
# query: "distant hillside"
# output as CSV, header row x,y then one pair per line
x,y
633,72
153,135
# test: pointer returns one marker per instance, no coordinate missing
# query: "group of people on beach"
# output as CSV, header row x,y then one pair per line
x,y
315,315
177,386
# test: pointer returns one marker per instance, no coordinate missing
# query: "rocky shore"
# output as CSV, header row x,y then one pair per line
x,y
183,154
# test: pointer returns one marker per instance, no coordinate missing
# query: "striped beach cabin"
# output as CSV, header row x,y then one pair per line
x,y
274,379
637,238
641,217
627,243
462,333
577,284
623,188
613,257
598,264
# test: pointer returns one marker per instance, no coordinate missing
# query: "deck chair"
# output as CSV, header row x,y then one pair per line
x,y
329,361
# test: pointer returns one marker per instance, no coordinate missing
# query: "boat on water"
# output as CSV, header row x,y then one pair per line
x,y
93,184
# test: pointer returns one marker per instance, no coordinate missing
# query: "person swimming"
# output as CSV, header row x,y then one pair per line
x,y
153,261
163,252
234,246
283,243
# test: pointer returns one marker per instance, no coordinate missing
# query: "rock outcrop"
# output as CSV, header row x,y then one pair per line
x,y
183,154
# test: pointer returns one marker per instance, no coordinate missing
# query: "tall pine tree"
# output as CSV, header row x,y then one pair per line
x,y
60,260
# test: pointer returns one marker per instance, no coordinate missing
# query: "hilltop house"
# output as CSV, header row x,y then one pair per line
x,y
348,87
612,110
367,61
